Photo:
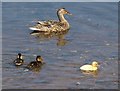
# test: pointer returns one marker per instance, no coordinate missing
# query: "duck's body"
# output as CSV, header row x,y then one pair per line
x,y
36,64
88,68
93,67
52,25
19,60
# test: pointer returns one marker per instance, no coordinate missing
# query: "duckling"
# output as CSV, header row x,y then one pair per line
x,y
53,25
36,64
93,67
19,60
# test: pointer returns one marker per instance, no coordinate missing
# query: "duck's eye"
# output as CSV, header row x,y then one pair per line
x,y
66,11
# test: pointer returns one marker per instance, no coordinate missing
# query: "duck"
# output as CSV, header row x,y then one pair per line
x,y
19,60
36,64
90,67
53,25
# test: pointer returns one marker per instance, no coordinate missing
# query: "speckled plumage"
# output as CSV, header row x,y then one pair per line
x,y
53,25
36,64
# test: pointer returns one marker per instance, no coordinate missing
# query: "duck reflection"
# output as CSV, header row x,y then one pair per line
x,y
59,36
61,41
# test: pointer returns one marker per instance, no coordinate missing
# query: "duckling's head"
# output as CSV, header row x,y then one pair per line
x,y
39,59
19,56
95,64
63,11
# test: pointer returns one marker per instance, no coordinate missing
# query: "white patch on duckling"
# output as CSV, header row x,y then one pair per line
x,y
26,70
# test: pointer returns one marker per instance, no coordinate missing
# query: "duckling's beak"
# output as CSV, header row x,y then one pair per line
x,y
99,63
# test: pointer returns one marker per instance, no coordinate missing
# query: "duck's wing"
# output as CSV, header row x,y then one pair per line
x,y
37,27
57,27
49,22
88,68
44,25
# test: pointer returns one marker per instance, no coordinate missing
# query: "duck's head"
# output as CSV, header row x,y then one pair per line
x,y
63,11
95,64
39,59
19,56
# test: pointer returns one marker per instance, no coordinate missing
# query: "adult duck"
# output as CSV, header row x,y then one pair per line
x,y
53,25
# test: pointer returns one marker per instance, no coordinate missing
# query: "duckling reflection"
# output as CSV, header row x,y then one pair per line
x,y
36,65
93,73
59,36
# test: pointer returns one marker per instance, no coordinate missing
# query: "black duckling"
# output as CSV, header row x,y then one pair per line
x,y
19,60
36,64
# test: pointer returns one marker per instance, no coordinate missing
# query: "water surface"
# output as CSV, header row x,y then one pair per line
x,y
93,36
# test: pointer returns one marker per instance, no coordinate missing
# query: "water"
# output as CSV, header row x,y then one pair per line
x,y
93,36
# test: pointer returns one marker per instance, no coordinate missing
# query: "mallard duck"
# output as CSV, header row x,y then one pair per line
x,y
88,67
19,60
36,64
52,25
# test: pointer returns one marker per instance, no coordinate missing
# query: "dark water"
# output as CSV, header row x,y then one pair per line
x,y
93,36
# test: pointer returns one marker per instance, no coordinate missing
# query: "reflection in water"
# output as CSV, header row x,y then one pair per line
x,y
93,73
61,42
60,36
34,69
38,69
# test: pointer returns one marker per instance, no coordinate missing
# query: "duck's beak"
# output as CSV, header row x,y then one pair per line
x,y
68,13
56,9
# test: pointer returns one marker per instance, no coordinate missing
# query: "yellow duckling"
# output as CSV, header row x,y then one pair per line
x,y
36,64
19,60
93,67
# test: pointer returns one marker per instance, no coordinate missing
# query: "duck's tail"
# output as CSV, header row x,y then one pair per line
x,y
34,28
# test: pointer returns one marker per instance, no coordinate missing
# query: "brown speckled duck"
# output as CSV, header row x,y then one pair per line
x,y
53,25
